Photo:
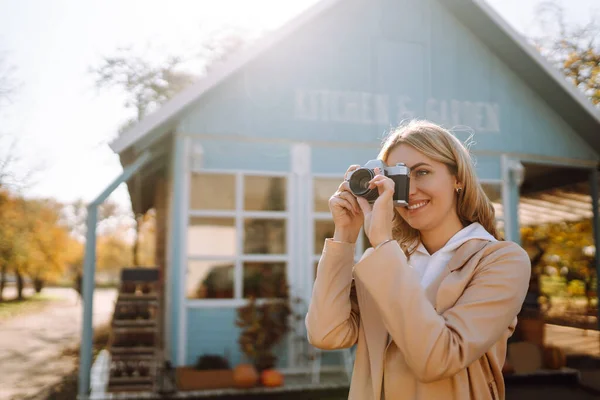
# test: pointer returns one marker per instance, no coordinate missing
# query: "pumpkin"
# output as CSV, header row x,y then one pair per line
x,y
245,376
507,368
554,357
271,378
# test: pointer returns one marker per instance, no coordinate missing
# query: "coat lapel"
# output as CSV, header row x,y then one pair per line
x,y
449,278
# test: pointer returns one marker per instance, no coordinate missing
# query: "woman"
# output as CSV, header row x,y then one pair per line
x,y
432,303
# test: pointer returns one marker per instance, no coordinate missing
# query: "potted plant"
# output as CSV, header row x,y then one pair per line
x,y
210,372
263,326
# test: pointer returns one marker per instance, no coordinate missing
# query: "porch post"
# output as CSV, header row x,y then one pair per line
x,y
89,269
513,174
596,222
177,249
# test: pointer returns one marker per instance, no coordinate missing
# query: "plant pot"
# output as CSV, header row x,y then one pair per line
x,y
532,330
189,378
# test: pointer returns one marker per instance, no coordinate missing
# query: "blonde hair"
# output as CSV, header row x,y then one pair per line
x,y
437,143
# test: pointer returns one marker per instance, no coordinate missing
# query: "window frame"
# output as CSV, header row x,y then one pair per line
x,y
239,215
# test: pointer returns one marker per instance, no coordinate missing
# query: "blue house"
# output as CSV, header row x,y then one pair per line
x,y
240,166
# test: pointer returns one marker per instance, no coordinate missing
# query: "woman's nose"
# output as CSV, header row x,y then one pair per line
x,y
412,188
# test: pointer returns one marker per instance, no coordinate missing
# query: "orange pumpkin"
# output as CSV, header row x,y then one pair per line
x,y
554,357
507,368
245,376
271,378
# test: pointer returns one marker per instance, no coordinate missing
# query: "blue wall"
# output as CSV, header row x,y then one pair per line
x,y
213,331
361,68
341,82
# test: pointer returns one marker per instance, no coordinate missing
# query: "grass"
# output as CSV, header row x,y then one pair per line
x,y
11,308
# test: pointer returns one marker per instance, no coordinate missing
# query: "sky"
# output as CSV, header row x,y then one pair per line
x,y
62,124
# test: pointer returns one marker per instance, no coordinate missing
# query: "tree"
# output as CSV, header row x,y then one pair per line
x,y
8,84
146,86
47,241
573,49
113,252
147,239
563,259
8,87
33,242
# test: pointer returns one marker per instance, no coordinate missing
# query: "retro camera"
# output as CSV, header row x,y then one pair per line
x,y
359,181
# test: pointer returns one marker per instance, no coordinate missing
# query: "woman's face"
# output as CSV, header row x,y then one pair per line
x,y
432,197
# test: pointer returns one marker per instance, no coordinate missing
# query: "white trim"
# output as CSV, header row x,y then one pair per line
x,y
291,269
220,72
212,214
208,257
506,209
249,172
360,243
268,258
238,273
322,216
275,215
539,59
265,214
185,204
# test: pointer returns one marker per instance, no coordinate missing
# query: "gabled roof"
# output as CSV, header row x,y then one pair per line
x,y
476,15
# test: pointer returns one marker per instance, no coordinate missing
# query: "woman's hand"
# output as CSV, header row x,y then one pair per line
x,y
378,217
347,215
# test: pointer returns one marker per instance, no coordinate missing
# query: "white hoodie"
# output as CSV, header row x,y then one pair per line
x,y
430,266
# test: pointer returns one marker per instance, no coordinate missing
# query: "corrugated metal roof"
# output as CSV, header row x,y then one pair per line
x,y
552,206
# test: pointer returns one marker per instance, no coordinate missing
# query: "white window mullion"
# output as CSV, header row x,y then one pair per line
x,y
212,213
322,216
265,214
264,257
360,245
239,228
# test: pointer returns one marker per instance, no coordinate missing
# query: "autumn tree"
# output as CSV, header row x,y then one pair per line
x,y
47,241
574,49
147,239
33,242
9,232
114,252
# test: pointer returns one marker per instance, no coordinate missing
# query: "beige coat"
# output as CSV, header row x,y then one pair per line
x,y
447,341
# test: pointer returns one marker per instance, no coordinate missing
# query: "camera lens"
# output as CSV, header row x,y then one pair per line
x,y
359,184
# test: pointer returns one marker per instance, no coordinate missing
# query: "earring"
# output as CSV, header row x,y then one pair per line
x,y
458,190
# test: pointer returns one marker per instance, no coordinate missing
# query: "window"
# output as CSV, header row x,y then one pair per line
x,y
237,236
322,224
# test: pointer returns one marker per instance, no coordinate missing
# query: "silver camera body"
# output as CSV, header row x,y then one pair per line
x,y
359,181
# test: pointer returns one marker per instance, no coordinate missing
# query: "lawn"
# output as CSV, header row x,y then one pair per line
x,y
13,307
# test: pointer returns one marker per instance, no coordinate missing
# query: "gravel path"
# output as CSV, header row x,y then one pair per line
x,y
31,345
